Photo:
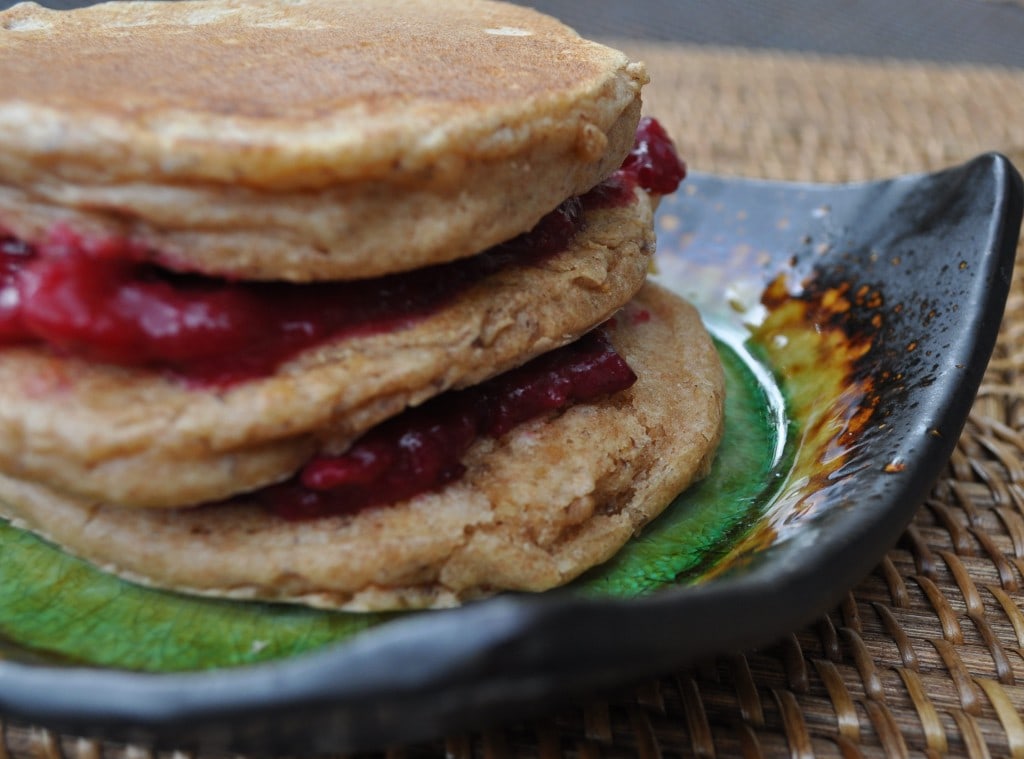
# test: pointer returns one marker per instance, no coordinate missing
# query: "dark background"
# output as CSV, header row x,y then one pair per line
x,y
977,31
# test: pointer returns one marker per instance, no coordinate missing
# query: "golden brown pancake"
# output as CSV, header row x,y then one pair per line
x,y
308,140
301,140
139,438
536,507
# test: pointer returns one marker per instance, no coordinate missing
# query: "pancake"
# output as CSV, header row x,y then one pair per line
x,y
333,141
138,437
313,139
535,508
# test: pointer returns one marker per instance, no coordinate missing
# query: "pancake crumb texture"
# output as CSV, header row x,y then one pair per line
x,y
139,438
307,140
535,509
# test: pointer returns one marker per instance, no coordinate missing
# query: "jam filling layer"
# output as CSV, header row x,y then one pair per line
x,y
100,300
421,450
100,303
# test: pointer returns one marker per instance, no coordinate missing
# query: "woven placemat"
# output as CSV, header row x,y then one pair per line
x,y
926,655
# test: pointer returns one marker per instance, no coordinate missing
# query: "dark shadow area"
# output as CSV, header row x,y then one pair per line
x,y
955,31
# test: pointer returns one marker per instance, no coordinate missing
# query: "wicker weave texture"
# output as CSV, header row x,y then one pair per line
x,y
926,655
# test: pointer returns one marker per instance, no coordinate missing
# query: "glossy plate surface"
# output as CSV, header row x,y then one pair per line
x,y
855,323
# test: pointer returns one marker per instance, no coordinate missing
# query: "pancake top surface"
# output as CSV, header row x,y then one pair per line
x,y
294,93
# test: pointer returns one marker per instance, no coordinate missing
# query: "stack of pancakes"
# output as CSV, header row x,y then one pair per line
x,y
312,141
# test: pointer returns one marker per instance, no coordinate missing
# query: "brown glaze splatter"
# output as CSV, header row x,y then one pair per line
x,y
827,343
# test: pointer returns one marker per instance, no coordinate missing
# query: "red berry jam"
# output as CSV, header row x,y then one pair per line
x,y
421,449
100,299
102,302
652,164
653,160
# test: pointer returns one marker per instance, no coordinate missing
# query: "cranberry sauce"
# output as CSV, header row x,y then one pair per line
x,y
653,160
101,300
103,303
421,449
653,164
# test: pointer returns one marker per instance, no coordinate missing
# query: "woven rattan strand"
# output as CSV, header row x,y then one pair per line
x,y
926,655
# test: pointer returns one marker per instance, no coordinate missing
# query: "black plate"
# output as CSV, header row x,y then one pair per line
x,y
903,281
